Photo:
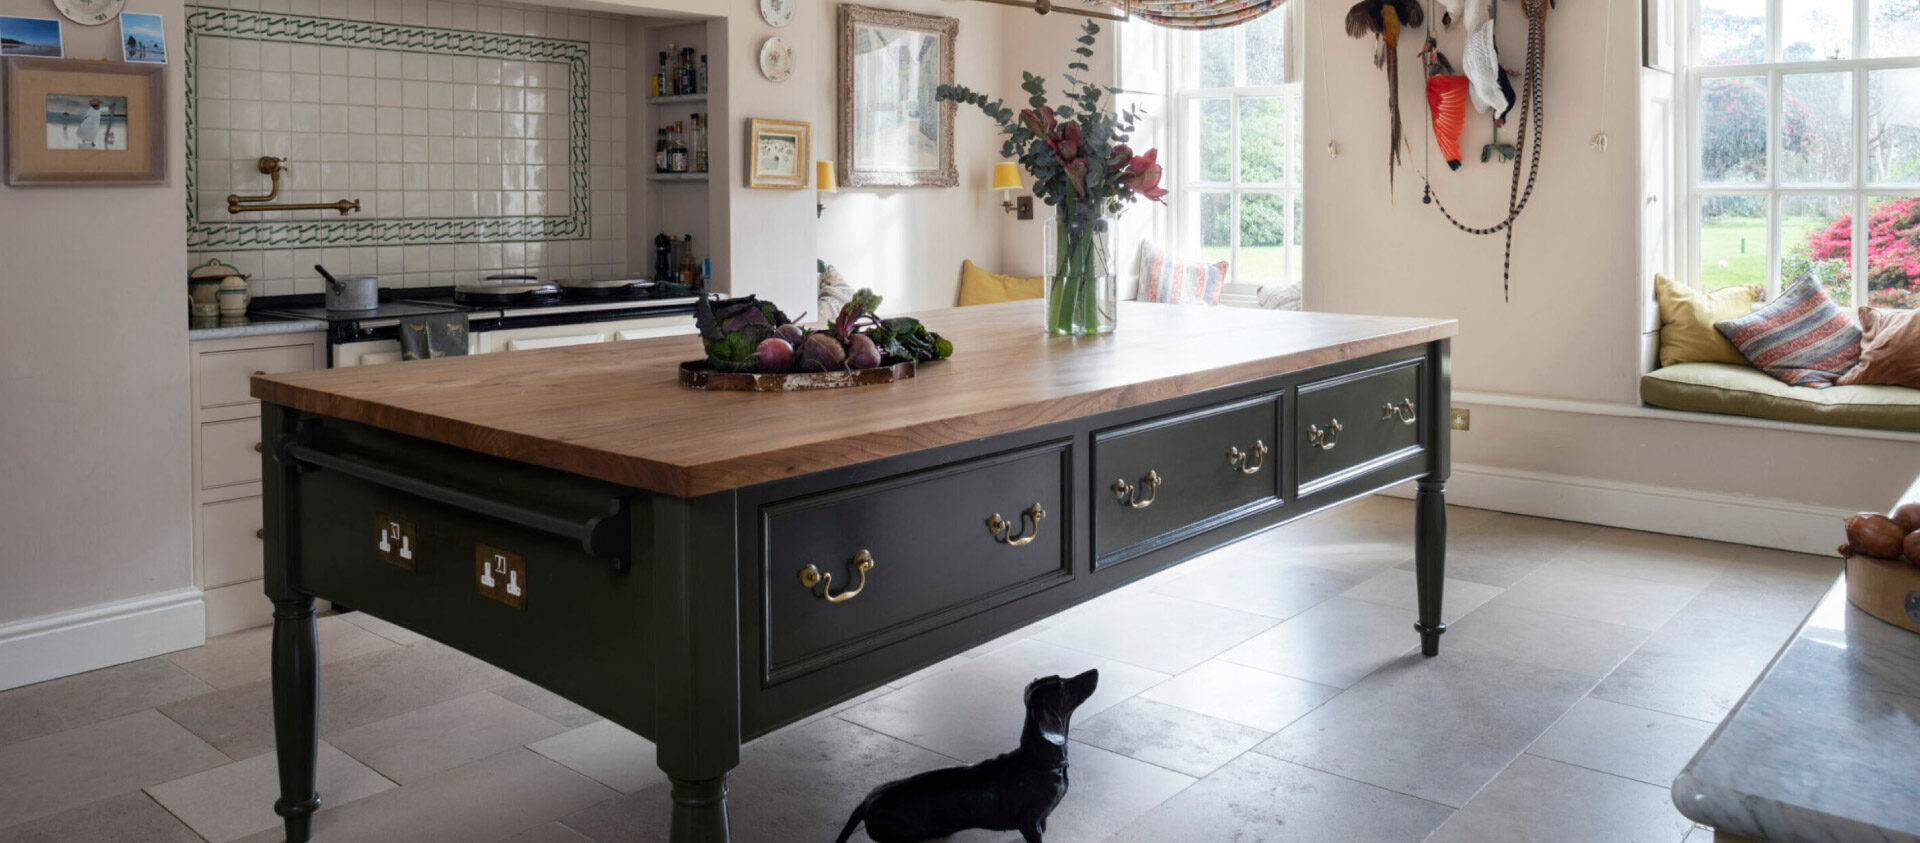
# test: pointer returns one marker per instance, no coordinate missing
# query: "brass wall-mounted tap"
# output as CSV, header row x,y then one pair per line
x,y
272,167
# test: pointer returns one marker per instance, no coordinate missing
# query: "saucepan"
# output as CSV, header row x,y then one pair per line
x,y
360,293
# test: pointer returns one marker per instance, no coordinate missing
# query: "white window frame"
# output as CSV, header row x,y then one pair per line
x,y
1690,81
1180,135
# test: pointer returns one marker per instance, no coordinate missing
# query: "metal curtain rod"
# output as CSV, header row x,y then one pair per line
x,y
1046,6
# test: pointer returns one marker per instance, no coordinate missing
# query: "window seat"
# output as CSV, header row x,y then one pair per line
x,y
1747,391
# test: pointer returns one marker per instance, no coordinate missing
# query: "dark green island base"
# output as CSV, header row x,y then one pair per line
x,y
701,622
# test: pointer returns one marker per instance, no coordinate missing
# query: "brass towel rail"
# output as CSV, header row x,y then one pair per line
x,y
272,167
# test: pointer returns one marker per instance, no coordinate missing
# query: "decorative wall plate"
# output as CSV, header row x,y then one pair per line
x,y
89,12
776,13
776,59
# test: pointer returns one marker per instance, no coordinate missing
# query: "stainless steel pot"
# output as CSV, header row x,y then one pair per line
x,y
360,293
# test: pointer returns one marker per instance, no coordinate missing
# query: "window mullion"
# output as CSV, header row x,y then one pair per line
x,y
1776,126
1861,232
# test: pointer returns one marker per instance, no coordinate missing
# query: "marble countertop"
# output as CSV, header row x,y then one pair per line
x,y
251,325
1826,745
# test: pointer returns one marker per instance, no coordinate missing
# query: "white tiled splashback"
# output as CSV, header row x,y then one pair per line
x,y
449,150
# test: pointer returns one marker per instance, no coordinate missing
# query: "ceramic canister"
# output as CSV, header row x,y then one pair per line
x,y
234,296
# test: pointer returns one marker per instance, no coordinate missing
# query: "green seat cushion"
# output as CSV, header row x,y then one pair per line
x,y
1747,391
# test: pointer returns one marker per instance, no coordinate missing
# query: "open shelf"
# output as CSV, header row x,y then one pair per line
x,y
678,98
677,176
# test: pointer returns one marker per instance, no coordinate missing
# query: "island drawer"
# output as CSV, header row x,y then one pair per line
x,y
1353,420
847,571
1159,480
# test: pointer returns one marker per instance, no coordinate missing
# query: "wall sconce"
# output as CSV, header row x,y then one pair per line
x,y
823,184
1006,180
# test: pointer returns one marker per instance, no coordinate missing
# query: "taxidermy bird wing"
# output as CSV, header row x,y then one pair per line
x,y
1446,102
1477,11
1450,11
1481,61
1384,18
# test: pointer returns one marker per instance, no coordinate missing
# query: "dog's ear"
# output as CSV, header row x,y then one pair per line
x,y
1079,688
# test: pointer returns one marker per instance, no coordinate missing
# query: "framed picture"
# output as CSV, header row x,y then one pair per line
x,y
779,153
893,132
36,37
85,122
142,39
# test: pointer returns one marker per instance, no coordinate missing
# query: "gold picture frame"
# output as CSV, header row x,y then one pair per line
x,y
71,122
779,154
894,131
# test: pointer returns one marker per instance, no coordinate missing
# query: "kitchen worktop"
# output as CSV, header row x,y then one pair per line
x,y
250,325
1826,744
601,410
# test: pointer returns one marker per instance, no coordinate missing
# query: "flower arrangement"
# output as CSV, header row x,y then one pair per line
x,y
1080,164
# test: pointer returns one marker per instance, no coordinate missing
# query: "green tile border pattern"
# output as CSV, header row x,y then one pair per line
x,y
335,32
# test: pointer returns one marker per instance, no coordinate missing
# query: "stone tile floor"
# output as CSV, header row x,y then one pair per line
x,y
1271,690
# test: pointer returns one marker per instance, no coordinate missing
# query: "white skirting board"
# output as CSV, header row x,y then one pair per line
x,y
1760,522
51,646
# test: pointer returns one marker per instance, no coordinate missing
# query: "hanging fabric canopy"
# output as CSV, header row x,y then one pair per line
x,y
1195,14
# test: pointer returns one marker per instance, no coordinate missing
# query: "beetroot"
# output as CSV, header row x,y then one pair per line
x,y
820,352
791,333
773,355
1912,547
1907,515
862,353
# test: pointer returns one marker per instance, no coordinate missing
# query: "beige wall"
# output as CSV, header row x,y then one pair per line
x,y
1572,328
93,375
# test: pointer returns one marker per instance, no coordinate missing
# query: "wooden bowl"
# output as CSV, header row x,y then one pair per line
x,y
698,375
1888,589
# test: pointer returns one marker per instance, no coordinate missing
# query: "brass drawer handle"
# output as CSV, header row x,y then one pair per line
x,y
259,372
1130,496
1324,439
260,533
810,576
1002,529
256,447
1403,411
1238,460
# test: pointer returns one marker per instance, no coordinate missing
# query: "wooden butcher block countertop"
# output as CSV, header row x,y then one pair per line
x,y
616,411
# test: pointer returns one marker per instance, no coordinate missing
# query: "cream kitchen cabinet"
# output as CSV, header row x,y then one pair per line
x,y
226,468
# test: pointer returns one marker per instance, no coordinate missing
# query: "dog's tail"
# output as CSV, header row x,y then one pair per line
x,y
853,822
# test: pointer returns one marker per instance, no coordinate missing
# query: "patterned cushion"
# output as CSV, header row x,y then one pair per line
x,y
1167,280
1802,337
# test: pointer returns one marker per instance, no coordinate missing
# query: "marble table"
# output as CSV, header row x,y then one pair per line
x,y
1826,744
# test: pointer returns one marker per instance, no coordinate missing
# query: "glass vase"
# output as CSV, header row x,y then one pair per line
x,y
1081,287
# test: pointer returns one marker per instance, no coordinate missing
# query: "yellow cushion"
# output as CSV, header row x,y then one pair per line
x,y
1687,315
1746,391
978,286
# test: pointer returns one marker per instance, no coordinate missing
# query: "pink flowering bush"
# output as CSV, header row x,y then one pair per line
x,y
1893,252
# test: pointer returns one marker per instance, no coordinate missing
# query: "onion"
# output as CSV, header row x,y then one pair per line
x,y
1873,534
1907,515
1913,547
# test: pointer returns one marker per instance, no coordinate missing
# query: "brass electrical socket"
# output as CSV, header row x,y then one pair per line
x,y
1462,419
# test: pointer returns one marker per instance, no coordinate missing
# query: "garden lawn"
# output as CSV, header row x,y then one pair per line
x,y
1721,241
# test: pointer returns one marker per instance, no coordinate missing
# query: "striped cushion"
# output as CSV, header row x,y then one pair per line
x,y
1802,337
1167,280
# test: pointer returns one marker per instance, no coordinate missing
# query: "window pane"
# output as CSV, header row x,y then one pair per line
x,y
1263,238
1267,48
1733,31
1297,137
1816,128
1733,241
1893,28
1210,221
1143,56
1893,253
1816,30
1210,125
1816,237
1263,138
1733,130
1893,128
1213,50
1297,240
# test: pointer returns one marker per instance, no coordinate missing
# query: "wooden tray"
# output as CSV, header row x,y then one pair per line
x,y
1885,588
699,375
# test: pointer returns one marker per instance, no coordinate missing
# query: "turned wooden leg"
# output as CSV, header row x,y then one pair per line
x,y
1430,560
700,811
296,687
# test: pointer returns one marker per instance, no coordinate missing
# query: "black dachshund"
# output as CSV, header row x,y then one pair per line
x,y
1013,792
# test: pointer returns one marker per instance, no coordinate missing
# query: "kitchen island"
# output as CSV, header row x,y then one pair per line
x,y
702,568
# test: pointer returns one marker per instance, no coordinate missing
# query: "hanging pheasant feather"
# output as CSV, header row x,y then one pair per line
x,y
1446,101
1383,20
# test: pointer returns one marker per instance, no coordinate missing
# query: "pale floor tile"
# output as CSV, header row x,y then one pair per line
x,y
1256,799
1335,643
1650,556
1106,791
242,657
233,801
385,629
419,743
130,817
1168,736
61,704
974,711
50,774
1537,799
1157,632
1769,585
1240,694
1580,646
1334,546
1570,590
1397,587
553,832
605,753
1501,549
1697,665
547,704
490,799
1020,634
1623,740
1438,729
1261,583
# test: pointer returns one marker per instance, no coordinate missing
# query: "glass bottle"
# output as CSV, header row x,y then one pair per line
x,y
660,151
700,142
703,73
689,271
677,149
660,77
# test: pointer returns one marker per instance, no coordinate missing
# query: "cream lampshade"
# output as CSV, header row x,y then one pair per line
x,y
823,183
